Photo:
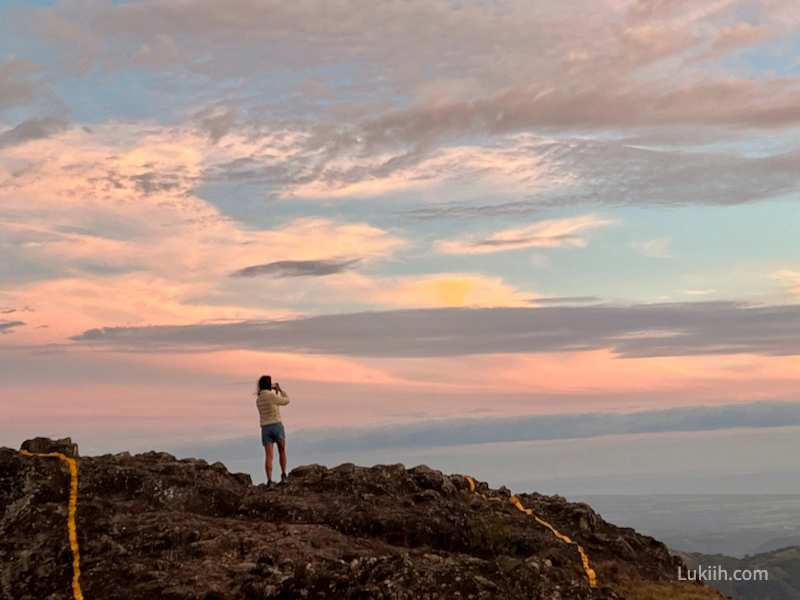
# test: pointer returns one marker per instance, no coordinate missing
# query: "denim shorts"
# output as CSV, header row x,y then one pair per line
x,y
272,433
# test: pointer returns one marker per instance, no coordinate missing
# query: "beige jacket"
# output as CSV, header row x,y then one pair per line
x,y
268,402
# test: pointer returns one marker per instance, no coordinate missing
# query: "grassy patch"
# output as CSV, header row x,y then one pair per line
x,y
666,590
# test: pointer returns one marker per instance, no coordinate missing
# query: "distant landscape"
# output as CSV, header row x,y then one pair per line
x,y
732,531
734,525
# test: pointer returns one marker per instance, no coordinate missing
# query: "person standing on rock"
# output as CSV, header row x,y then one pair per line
x,y
269,398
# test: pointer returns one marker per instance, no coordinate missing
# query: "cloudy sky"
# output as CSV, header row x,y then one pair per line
x,y
403,210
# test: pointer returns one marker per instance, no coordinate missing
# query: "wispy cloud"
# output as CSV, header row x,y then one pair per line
x,y
605,106
7,310
647,171
742,35
556,233
655,248
8,326
32,129
696,329
298,268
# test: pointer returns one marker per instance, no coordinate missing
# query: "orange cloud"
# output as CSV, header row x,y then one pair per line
x,y
792,278
357,289
451,289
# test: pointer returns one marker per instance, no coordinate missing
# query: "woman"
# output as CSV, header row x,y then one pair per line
x,y
268,399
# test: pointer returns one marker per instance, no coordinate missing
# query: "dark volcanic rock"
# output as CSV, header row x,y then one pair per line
x,y
150,526
42,445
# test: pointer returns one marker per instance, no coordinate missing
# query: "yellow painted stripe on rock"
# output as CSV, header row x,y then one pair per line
x,y
584,559
73,509
590,574
515,501
471,482
586,567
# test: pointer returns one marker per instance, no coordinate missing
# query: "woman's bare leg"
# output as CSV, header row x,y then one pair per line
x,y
268,462
282,455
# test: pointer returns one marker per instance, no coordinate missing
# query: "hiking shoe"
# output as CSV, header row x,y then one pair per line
x,y
270,485
284,479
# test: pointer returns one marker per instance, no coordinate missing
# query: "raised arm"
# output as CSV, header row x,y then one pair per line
x,y
281,397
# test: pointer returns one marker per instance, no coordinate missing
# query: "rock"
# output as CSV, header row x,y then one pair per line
x,y
42,445
151,526
432,480
585,517
533,563
482,581
508,564
309,472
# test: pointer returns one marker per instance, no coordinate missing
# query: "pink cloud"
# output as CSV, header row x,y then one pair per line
x,y
595,372
742,35
120,200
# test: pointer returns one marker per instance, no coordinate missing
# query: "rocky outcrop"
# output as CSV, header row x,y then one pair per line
x,y
150,526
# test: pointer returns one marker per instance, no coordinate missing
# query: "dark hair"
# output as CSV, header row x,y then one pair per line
x,y
264,383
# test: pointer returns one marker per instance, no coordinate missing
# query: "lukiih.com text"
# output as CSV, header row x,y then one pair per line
x,y
717,573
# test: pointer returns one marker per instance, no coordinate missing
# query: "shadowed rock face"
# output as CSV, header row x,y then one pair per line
x,y
150,526
46,445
